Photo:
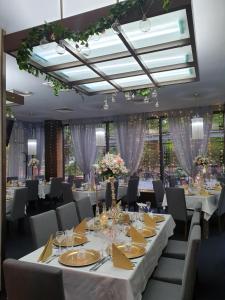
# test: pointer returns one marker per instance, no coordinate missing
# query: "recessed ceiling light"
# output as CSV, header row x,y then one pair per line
x,y
64,110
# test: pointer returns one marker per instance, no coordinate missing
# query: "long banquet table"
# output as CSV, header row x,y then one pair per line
x,y
108,282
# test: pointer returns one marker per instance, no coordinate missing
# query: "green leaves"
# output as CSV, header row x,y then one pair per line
x,y
56,32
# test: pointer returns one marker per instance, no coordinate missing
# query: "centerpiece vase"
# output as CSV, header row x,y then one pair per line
x,y
112,181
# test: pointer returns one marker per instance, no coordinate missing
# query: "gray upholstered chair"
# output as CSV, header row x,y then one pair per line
x,y
67,193
32,186
55,189
221,208
170,269
42,226
161,290
132,191
177,206
178,249
67,216
159,193
84,208
28,281
18,207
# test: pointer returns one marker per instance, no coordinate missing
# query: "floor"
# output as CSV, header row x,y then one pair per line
x,y
211,264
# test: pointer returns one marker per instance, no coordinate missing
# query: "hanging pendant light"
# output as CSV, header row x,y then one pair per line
x,y
145,24
197,128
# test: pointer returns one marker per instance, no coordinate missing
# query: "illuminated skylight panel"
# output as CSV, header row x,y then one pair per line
x,y
118,66
133,81
168,57
46,55
97,86
180,74
77,73
164,28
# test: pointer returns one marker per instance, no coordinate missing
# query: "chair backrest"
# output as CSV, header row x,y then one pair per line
x,y
42,226
78,182
84,208
67,192
32,186
221,203
19,204
190,265
108,193
56,187
132,190
67,216
172,181
159,192
28,281
70,179
195,220
12,178
176,203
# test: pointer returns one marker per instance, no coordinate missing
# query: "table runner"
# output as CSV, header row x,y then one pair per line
x,y
109,283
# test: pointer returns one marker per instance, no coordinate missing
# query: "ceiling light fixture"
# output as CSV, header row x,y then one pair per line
x,y
144,24
106,105
116,27
128,96
60,48
113,99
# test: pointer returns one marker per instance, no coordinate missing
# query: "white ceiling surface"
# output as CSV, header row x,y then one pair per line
x,y
209,21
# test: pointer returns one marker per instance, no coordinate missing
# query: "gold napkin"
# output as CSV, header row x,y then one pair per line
x,y
47,251
120,260
126,218
148,221
204,192
136,236
80,228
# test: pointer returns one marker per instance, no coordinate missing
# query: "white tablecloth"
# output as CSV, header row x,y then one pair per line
x,y
208,203
97,195
109,283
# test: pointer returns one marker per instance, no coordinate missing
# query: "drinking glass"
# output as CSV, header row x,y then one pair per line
x,y
60,236
69,235
148,203
126,208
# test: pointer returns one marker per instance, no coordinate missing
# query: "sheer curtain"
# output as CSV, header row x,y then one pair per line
x,y
130,141
17,150
84,142
185,148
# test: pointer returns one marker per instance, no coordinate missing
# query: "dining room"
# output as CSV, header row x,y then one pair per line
x,y
112,136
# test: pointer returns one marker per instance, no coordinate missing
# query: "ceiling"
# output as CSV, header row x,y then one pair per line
x,y
209,21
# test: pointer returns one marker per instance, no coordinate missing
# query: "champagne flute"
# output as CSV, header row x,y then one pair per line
x,y
60,236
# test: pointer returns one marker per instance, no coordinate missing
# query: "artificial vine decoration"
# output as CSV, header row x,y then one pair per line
x,y
55,32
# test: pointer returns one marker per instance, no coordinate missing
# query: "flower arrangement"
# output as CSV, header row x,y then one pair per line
x,y
201,161
34,162
111,165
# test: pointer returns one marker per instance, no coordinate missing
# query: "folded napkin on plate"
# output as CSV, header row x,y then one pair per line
x,y
80,228
120,260
149,221
47,251
204,192
136,236
217,188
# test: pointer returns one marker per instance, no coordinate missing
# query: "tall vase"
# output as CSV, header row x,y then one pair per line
x,y
112,181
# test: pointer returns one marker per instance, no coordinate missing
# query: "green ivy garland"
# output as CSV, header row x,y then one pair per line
x,y
54,32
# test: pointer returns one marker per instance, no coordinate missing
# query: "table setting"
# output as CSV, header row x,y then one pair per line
x,y
118,254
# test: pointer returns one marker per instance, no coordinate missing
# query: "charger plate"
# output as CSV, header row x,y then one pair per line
x,y
79,258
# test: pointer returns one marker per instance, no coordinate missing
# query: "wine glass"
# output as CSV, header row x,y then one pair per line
x,y
60,236
148,203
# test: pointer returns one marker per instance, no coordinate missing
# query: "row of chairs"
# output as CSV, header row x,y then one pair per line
x,y
174,277
64,217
